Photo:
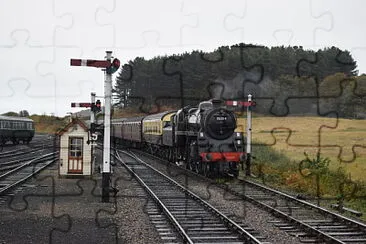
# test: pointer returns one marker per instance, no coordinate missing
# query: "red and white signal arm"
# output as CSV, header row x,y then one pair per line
x,y
82,105
90,63
240,103
111,66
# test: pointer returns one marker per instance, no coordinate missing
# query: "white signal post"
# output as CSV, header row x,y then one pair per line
x,y
106,173
249,105
249,137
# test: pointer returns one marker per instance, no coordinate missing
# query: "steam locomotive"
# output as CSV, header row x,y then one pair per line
x,y
204,138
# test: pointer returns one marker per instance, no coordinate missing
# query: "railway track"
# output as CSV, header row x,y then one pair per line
x,y
193,218
313,224
21,173
307,221
38,143
12,161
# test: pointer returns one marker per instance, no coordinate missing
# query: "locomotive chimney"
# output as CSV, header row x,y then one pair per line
x,y
217,103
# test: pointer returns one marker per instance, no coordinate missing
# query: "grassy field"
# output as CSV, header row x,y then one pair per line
x,y
280,144
343,141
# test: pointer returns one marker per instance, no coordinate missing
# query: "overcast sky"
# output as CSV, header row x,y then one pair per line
x,y
38,38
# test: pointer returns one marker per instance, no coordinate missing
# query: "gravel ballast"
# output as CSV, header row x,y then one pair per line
x,y
49,209
241,211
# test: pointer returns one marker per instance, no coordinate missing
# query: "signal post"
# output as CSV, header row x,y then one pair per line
x,y
109,67
106,172
249,105
249,136
95,107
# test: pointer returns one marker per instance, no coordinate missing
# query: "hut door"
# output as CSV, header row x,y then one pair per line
x,y
75,162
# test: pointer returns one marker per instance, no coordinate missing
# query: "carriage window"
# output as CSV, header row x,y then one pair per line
x,y
5,124
75,147
18,125
29,126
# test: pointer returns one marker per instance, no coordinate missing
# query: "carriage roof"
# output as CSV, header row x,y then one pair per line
x,y
11,118
158,116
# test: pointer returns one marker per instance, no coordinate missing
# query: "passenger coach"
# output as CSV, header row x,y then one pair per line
x,y
16,129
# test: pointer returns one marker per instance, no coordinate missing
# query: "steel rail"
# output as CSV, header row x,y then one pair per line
x,y
320,234
316,232
13,153
27,164
34,172
9,164
176,224
308,204
231,224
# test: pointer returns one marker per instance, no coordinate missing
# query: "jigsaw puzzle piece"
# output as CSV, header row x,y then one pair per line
x,y
133,205
241,20
20,16
339,95
15,95
21,67
80,200
293,133
220,83
24,87
283,37
345,141
133,89
338,92
84,27
201,33
178,89
339,24
34,207
59,77
273,96
161,24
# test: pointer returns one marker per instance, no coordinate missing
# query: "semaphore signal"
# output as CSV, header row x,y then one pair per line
x,y
90,62
110,67
81,105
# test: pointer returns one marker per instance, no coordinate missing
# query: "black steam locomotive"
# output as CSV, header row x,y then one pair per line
x,y
204,139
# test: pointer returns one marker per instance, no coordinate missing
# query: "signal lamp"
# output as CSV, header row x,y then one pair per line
x,y
114,66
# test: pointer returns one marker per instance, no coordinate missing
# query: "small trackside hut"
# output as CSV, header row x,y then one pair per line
x,y
75,151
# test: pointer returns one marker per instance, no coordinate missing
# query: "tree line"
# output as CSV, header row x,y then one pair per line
x,y
22,113
284,80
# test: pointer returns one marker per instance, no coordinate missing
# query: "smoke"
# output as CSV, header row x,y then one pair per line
x,y
238,88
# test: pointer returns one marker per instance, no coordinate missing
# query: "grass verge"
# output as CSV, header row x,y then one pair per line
x,y
311,177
